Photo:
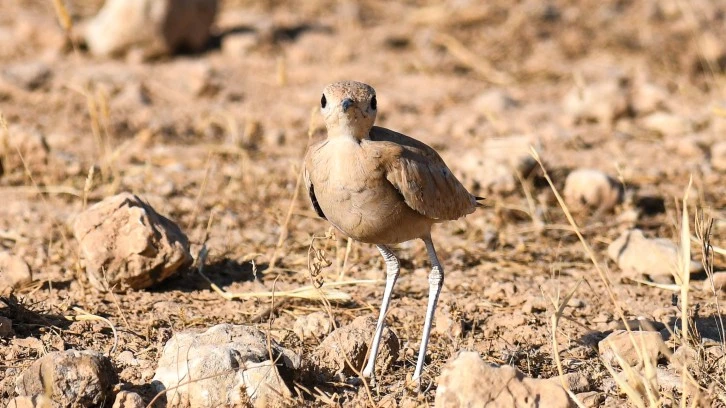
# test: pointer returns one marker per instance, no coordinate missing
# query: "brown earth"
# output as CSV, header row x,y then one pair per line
x,y
214,141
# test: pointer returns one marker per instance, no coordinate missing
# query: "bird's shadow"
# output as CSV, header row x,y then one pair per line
x,y
222,272
28,322
277,36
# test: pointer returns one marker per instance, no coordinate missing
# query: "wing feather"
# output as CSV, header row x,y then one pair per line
x,y
309,184
421,176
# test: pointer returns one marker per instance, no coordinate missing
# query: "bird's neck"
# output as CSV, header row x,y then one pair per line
x,y
356,133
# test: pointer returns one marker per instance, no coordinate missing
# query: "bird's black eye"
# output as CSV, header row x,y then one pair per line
x,y
323,102
374,103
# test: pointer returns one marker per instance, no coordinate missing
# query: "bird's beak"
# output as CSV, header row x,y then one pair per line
x,y
347,103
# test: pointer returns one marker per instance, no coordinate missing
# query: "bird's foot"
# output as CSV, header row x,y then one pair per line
x,y
414,384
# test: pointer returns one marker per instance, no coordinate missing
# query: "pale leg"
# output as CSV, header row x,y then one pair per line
x,y
392,269
436,281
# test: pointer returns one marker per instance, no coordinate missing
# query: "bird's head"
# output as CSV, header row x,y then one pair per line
x,y
349,109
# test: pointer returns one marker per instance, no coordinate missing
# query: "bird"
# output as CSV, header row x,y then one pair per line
x,y
381,187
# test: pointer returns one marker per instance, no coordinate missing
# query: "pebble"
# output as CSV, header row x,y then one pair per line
x,y
718,283
29,76
14,271
315,325
590,189
128,399
602,102
718,156
666,124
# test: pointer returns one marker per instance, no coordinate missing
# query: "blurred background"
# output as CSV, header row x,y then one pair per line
x,y
205,108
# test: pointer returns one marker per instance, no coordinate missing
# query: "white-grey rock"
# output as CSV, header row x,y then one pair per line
x,y
657,258
469,382
156,27
590,189
232,363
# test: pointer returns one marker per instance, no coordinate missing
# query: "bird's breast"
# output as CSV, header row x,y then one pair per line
x,y
355,196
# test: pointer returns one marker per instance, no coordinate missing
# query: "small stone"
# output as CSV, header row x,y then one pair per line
x,y
666,124
719,283
328,360
232,363
122,25
619,343
637,255
14,272
682,356
647,98
576,382
468,381
22,147
125,242
29,76
127,358
685,147
591,399
495,100
495,168
446,324
239,45
601,102
36,401
589,189
70,378
316,325
535,305
128,399
6,327
718,156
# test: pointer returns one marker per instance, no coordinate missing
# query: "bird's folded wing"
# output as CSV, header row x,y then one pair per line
x,y
423,179
309,184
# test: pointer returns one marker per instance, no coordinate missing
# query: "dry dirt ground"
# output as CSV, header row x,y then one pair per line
x,y
214,141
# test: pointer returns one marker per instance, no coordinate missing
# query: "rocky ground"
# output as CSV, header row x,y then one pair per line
x,y
191,143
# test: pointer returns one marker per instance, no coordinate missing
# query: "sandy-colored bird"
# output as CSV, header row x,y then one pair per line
x,y
381,187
